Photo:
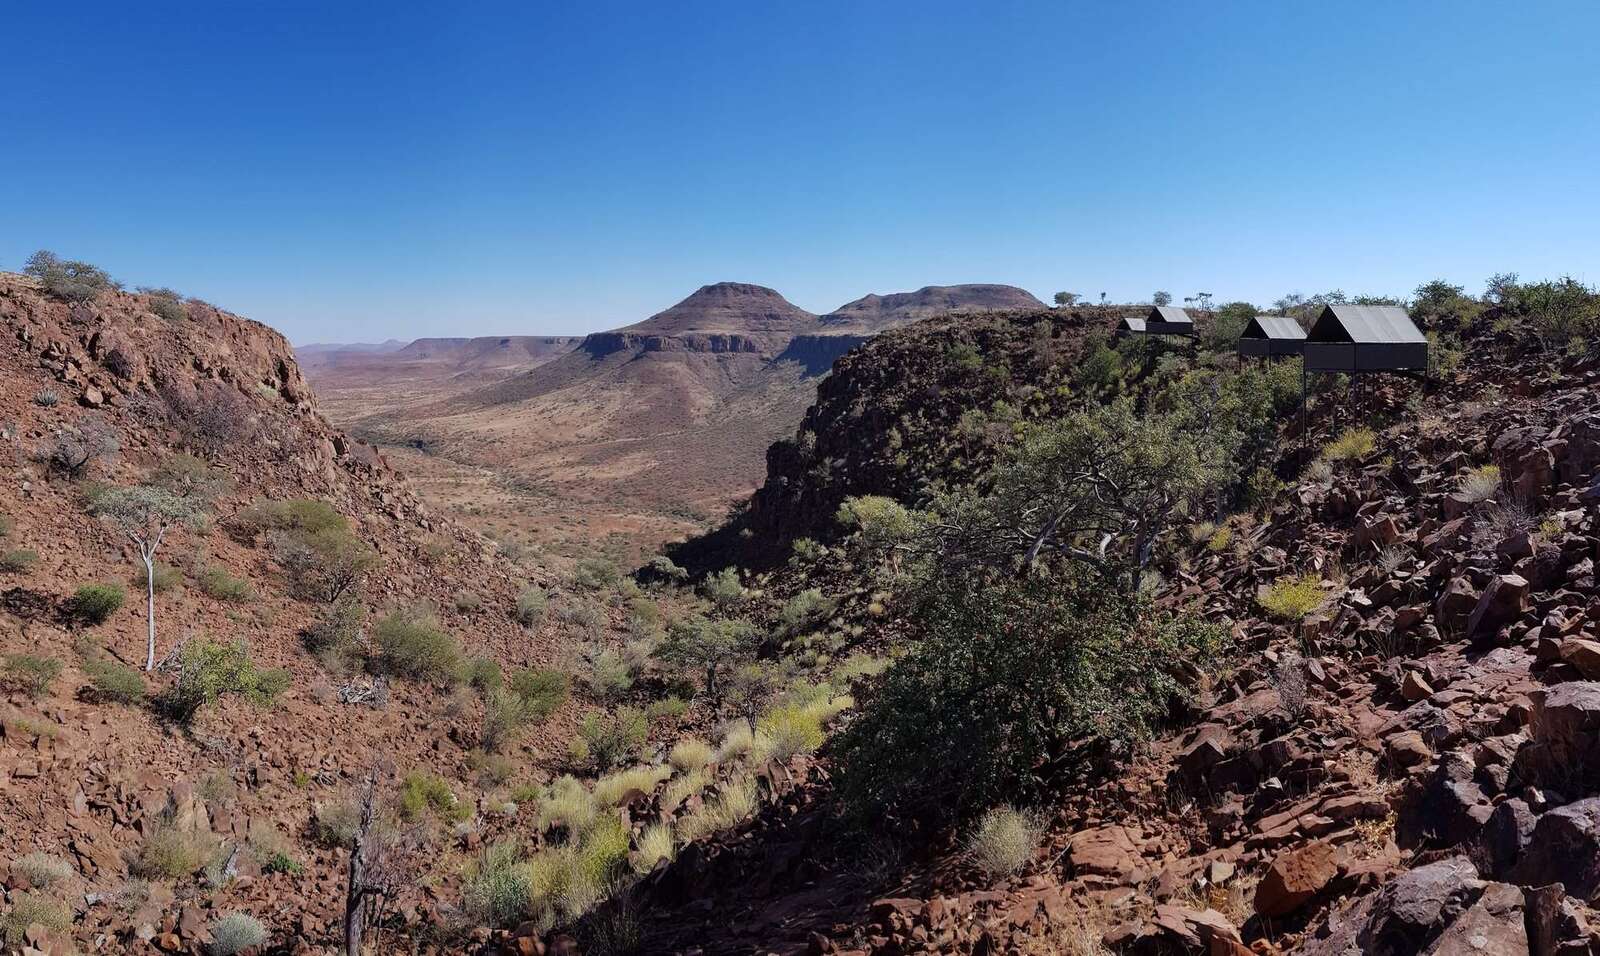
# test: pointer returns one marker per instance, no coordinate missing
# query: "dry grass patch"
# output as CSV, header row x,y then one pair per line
x,y
1004,841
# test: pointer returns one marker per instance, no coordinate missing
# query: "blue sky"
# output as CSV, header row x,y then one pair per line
x,y
350,171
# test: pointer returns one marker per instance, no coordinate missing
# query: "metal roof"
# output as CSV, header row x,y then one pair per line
x,y
1365,324
1274,327
1168,313
1133,323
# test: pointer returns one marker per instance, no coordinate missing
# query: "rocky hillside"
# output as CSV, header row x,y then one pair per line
x,y
100,395
875,313
1392,762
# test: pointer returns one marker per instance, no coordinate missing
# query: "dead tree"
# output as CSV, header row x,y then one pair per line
x,y
378,865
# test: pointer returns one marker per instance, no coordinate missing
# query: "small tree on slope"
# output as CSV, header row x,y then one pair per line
x,y
145,513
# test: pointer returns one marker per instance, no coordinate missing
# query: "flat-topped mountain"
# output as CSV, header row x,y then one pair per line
x,y
874,313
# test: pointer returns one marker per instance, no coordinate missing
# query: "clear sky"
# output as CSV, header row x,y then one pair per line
x,y
352,171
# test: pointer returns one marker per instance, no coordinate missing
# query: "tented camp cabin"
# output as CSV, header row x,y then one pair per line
x,y
1365,338
1130,325
1168,320
1272,336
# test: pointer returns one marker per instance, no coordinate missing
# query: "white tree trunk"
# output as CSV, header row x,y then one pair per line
x,y
150,605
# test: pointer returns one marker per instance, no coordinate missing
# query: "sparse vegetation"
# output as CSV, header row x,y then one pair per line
x,y
236,933
530,605
1003,842
43,870
73,451
1295,598
31,674
68,279
609,741
1353,444
219,584
336,633
411,644
324,563
210,670
47,398
690,753
724,589
423,794
29,908
96,603
113,682
1480,484
596,574
169,853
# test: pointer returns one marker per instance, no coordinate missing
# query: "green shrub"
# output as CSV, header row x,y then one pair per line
x,y
28,908
169,853
504,716
568,804
1220,539
530,605
410,644
609,674
724,588
655,844
734,803
497,888
223,586
596,574
166,578
18,560
881,523
236,933
299,514
667,707
423,793
68,279
1293,599
483,675
1352,444
1012,675
614,739
168,305
793,729
97,602
210,670
1003,842
804,610
325,563
611,788
541,690
31,674
115,682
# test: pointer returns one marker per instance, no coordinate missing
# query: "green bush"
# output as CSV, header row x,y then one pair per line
x,y
596,574
423,793
166,578
167,304
483,674
18,560
68,279
235,933
881,523
497,890
223,586
297,514
1015,685
209,670
612,740
28,908
541,690
169,853
724,588
1352,445
115,682
31,674
97,602
410,644
667,707
804,610
609,674
530,605
1293,599
324,563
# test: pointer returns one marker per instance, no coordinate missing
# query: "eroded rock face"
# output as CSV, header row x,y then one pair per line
x,y
1565,848
1295,878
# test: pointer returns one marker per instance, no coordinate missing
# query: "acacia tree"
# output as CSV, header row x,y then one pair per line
x,y
714,646
145,513
1066,299
1098,487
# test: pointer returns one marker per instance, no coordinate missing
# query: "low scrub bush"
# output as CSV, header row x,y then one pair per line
x,y
324,564
423,794
530,605
608,741
1294,599
610,789
43,870
336,633
96,603
566,803
411,644
610,675
68,279
219,584
1352,445
1070,659
335,824
18,560
1480,484
804,611
236,933
596,574
734,803
169,853
542,690
793,729
656,843
667,707
30,907
690,753
298,514
115,682
724,589
497,887
210,670
684,786
31,674
1003,842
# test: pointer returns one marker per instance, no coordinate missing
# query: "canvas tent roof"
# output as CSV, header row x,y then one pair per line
x,y
1366,324
1132,323
1280,327
1169,313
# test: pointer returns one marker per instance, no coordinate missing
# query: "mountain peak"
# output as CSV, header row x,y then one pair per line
x,y
737,307
876,312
